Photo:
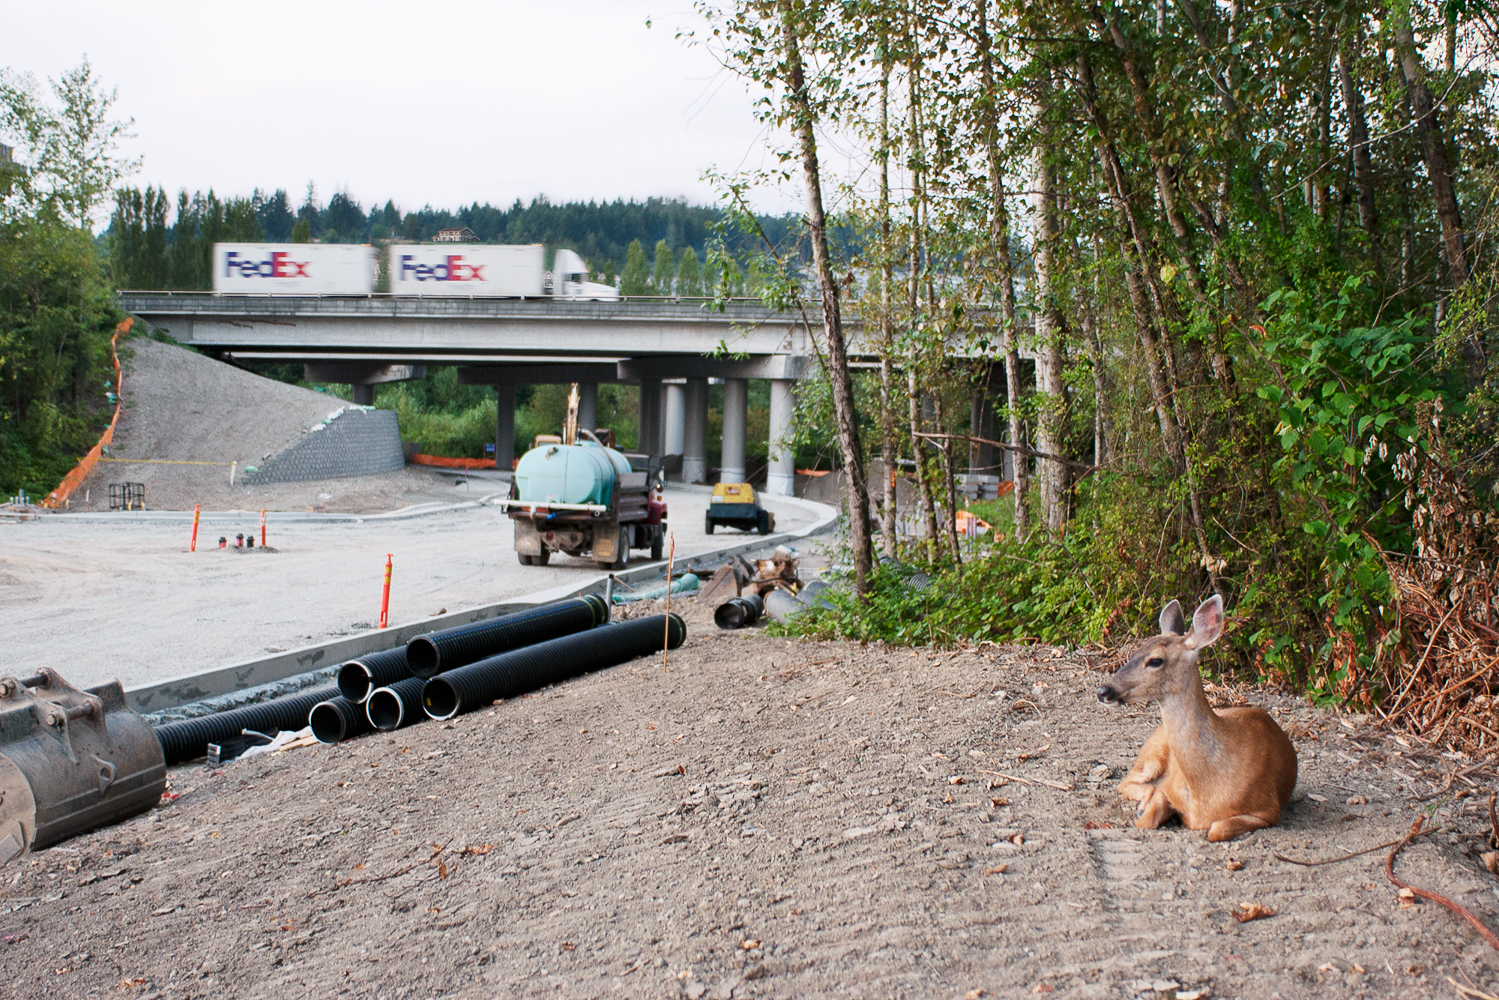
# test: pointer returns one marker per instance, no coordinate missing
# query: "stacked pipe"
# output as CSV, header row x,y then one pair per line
x,y
469,687
431,654
188,739
358,678
337,719
395,706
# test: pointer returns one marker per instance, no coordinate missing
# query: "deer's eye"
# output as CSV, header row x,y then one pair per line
x,y
1155,663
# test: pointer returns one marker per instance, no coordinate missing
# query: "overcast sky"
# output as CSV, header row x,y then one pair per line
x,y
445,104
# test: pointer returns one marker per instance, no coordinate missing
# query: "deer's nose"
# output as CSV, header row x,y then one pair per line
x,y
1107,694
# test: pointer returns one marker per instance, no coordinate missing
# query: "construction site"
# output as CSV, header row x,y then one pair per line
x,y
353,746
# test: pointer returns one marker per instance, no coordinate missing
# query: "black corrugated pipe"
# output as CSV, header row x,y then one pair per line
x,y
338,719
188,739
738,612
398,705
431,654
520,670
359,677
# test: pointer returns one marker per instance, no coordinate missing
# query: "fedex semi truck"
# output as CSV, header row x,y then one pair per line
x,y
445,269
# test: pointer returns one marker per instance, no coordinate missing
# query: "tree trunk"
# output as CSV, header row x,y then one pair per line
x,y
1358,135
1050,328
999,234
919,445
838,370
887,333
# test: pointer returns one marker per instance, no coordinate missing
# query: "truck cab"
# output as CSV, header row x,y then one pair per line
x,y
569,280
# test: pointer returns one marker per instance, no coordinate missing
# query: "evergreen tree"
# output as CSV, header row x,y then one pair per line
x,y
301,232
635,280
664,274
275,214
310,213
689,274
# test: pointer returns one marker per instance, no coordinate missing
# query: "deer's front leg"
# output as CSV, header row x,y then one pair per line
x,y
1140,783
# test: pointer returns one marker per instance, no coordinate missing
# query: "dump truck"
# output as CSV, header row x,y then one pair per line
x,y
586,500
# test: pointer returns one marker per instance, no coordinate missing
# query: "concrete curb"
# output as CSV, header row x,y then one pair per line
x,y
274,516
217,681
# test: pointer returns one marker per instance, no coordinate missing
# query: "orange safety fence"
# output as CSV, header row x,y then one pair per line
x,y
453,463
80,472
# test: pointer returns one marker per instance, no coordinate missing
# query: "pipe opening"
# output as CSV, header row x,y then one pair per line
x,y
422,656
439,699
354,681
385,709
328,722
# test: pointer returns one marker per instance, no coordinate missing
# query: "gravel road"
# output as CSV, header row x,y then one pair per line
x,y
118,595
763,818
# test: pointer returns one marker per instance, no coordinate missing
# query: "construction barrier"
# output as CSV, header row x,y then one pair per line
x,y
80,472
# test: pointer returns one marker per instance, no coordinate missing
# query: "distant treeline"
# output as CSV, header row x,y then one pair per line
x,y
154,244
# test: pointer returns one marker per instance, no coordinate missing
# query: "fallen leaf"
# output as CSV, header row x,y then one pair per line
x,y
997,870
1412,969
750,943
1357,800
1358,968
975,994
1043,988
1017,840
996,803
1233,865
1094,824
1407,898
442,869
947,798
569,946
1490,861
956,779
1250,911
474,849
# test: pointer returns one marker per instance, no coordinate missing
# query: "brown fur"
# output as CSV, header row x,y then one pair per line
x,y
1227,772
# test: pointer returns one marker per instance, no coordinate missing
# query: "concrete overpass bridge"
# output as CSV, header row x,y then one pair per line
x,y
671,348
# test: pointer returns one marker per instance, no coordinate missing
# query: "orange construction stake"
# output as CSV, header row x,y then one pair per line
x,y
671,557
193,545
262,527
385,595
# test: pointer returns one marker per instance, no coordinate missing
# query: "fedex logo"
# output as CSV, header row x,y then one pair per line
x,y
452,269
274,266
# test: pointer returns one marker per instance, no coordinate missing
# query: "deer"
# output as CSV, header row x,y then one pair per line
x,y
1227,771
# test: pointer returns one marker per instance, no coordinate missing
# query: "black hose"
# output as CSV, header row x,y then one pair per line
x,y
738,612
337,719
395,706
532,667
360,676
431,654
188,739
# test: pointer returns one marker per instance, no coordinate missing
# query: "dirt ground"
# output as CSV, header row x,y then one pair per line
x,y
763,818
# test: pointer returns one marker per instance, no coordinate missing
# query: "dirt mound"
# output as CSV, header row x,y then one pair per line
x,y
762,818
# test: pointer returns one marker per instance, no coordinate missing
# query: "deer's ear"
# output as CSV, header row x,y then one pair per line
x,y
1172,622
1207,623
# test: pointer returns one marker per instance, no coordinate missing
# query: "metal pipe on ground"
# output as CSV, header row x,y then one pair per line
x,y
521,670
738,612
431,654
337,719
188,739
398,705
358,678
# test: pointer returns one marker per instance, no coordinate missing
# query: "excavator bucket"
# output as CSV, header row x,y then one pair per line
x,y
70,761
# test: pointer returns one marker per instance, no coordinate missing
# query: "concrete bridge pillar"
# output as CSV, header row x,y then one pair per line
x,y
781,476
735,412
588,405
676,417
504,427
649,440
364,395
695,432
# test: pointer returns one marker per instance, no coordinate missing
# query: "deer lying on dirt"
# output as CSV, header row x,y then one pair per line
x,y
1227,772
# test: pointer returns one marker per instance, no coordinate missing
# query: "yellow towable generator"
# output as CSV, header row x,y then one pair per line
x,y
735,505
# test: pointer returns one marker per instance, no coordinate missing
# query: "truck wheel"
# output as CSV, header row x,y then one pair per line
x,y
707,524
525,560
764,522
541,560
658,544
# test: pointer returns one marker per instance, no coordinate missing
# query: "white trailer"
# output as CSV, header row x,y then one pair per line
x,y
492,271
294,268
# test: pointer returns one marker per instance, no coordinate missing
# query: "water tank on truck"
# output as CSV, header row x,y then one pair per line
x,y
583,500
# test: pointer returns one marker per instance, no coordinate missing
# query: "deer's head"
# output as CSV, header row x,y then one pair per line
x,y
1166,664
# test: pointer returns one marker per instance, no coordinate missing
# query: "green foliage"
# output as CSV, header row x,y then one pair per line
x,y
301,232
56,321
664,272
635,279
689,274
